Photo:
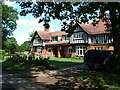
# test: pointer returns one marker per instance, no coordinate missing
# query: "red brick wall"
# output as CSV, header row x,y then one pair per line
x,y
45,52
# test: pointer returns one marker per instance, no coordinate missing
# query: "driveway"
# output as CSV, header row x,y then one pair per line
x,y
39,80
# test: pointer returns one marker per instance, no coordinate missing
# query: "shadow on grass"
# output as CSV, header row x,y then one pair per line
x,y
67,79
64,64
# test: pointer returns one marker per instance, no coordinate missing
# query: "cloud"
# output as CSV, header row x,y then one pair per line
x,y
40,28
22,22
12,4
21,39
33,22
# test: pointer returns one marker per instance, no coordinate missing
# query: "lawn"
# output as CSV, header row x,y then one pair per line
x,y
93,79
65,62
57,62
10,65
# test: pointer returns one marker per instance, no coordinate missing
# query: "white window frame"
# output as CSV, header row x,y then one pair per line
x,y
80,50
65,38
78,35
98,48
55,38
70,50
39,50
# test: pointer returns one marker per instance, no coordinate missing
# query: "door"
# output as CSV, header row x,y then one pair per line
x,y
62,50
55,52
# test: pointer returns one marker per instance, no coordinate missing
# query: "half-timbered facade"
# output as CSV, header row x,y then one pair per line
x,y
58,44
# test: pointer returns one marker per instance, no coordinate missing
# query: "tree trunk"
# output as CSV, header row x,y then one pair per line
x,y
116,36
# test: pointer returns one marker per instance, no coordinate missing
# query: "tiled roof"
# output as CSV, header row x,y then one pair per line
x,y
59,42
44,35
58,33
100,28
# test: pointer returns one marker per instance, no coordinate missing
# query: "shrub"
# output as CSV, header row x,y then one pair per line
x,y
30,59
2,54
76,57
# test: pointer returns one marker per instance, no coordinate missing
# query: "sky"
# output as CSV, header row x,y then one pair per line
x,y
27,24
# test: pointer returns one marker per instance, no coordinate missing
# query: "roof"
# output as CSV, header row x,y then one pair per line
x,y
44,35
59,42
58,33
100,28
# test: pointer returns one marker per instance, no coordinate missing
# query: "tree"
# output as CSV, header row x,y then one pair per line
x,y
25,46
9,17
11,45
80,12
31,34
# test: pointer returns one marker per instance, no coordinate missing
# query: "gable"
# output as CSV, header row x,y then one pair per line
x,y
35,36
79,29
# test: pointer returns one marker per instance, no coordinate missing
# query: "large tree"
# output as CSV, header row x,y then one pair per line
x,y
9,17
80,12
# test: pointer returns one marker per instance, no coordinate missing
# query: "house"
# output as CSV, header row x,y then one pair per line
x,y
58,44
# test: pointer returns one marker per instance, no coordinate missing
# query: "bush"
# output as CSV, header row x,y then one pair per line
x,y
30,59
2,54
76,57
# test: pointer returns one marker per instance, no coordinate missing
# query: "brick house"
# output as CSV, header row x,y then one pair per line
x,y
58,44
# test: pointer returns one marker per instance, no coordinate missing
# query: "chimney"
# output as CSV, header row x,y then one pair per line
x,y
46,27
102,15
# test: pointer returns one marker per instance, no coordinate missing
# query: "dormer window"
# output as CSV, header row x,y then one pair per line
x,y
65,38
55,38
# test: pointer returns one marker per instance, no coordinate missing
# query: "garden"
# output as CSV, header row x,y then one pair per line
x,y
83,79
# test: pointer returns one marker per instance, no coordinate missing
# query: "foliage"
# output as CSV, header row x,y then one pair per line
x,y
76,57
80,12
30,59
65,62
25,46
2,54
9,17
11,45
98,80
31,34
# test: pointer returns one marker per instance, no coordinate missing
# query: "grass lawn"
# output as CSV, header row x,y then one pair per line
x,y
99,79
58,62
9,65
65,62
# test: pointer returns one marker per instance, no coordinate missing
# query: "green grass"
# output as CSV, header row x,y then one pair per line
x,y
65,62
58,62
9,65
99,80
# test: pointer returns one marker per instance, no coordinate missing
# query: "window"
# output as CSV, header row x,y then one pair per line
x,y
80,50
55,38
70,50
78,35
37,41
98,48
65,38
49,50
39,50
77,29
